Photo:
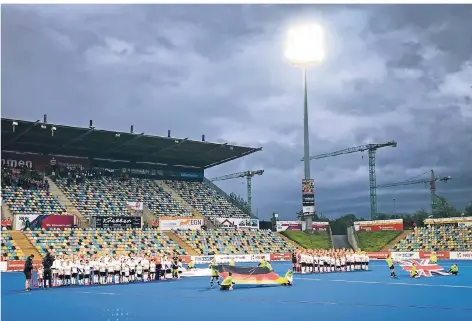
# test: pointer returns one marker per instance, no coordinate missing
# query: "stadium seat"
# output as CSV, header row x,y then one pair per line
x,y
10,250
109,196
210,242
437,238
98,241
205,199
31,201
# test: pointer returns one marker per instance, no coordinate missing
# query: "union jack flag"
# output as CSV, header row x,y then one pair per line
x,y
423,267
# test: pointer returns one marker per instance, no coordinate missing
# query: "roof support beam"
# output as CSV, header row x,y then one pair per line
x,y
211,151
76,139
234,157
168,148
23,133
129,141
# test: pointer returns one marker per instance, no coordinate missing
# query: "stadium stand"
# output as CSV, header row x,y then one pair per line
x,y
205,200
10,250
437,238
25,191
109,196
235,241
93,241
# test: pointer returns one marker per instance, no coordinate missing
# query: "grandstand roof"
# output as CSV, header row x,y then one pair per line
x,y
31,137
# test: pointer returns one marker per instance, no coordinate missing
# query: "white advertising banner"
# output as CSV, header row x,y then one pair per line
x,y
405,255
226,258
20,220
137,206
238,223
449,220
460,255
180,223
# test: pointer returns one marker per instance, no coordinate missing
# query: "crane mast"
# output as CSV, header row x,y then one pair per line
x,y
371,148
249,175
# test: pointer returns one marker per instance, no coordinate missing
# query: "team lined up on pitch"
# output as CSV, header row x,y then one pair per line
x,y
323,261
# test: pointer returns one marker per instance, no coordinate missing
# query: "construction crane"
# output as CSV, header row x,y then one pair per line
x,y
371,148
432,185
249,175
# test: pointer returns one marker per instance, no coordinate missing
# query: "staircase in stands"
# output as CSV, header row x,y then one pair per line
x,y
179,199
400,237
24,244
62,198
188,249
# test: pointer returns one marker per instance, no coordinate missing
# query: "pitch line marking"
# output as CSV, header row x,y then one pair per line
x,y
391,283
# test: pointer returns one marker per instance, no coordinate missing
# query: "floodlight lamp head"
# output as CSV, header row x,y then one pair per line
x,y
305,45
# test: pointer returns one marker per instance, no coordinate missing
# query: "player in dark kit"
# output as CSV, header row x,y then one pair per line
x,y
47,264
28,269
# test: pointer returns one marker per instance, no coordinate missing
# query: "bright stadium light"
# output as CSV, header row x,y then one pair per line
x,y
305,45
304,48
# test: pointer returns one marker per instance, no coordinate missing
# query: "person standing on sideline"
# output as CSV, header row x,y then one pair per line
x,y
28,271
47,264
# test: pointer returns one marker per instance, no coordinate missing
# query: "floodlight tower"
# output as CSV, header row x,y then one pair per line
x,y
305,48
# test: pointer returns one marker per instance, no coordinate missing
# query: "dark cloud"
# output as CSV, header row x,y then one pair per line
x,y
392,73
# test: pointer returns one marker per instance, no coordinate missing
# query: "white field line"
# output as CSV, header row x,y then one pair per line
x,y
389,283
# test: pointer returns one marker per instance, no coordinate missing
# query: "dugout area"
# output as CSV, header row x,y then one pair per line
x,y
368,296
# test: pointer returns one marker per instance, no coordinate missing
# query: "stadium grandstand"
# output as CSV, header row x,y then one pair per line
x,y
85,191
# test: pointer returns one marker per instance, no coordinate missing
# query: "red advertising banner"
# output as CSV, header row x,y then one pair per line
x,y
381,225
378,255
442,255
40,162
57,221
320,226
280,257
185,258
20,265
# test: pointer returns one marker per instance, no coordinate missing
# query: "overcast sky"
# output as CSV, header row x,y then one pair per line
x,y
399,73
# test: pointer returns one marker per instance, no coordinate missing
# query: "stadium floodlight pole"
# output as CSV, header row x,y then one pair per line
x,y
305,48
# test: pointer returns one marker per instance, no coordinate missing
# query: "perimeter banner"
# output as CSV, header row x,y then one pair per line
x,y
180,223
380,225
119,222
308,196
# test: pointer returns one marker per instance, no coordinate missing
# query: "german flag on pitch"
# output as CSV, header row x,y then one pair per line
x,y
250,275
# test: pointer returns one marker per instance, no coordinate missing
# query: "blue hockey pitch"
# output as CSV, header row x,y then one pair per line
x,y
369,296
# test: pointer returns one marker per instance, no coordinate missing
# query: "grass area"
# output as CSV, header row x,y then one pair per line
x,y
317,240
375,241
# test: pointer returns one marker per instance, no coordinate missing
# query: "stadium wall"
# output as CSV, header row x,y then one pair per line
x,y
133,169
12,266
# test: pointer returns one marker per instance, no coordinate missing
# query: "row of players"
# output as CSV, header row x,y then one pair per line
x,y
105,269
320,261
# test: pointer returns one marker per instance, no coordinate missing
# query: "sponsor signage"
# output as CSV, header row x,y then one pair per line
x,y
467,221
136,206
203,259
44,221
20,265
381,225
120,222
441,255
180,223
308,196
20,220
289,226
281,257
300,226
148,170
378,255
41,162
460,255
235,223
405,255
